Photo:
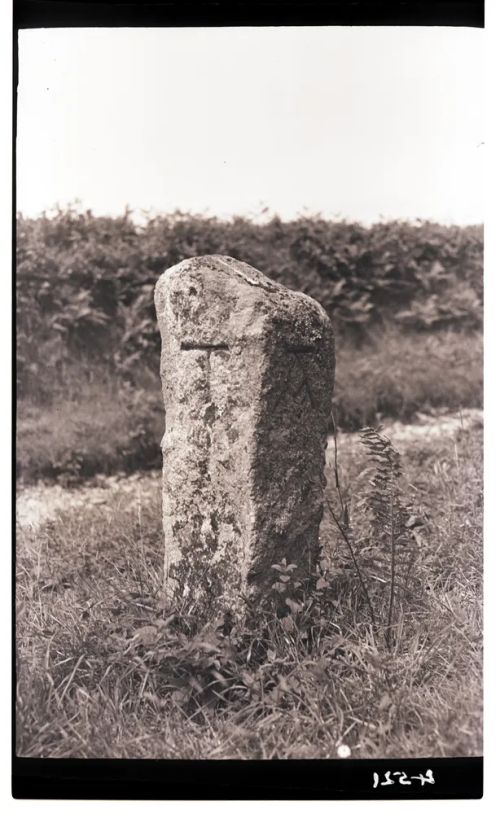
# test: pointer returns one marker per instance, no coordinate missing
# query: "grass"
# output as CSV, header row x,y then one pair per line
x,y
102,425
107,670
399,374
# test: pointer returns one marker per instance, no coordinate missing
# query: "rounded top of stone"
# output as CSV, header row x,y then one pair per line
x,y
220,293
224,264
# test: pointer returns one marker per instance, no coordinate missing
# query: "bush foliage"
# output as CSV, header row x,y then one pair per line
x,y
85,283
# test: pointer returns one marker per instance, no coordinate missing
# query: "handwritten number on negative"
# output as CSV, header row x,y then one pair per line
x,y
403,778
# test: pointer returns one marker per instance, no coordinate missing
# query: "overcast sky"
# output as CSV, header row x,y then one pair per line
x,y
359,123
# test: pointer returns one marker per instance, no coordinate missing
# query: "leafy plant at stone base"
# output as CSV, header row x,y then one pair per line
x,y
255,662
264,663
198,670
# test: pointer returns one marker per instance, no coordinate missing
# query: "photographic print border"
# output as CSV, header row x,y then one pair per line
x,y
452,778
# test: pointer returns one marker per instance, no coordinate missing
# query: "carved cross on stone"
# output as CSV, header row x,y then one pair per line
x,y
208,348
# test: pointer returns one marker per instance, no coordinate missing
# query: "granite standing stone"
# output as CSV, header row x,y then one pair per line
x,y
247,370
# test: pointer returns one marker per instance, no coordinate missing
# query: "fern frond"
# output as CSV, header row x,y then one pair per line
x,y
388,511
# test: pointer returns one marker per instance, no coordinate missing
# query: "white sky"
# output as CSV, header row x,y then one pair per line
x,y
361,123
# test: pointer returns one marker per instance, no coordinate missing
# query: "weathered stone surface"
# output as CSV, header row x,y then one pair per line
x,y
247,371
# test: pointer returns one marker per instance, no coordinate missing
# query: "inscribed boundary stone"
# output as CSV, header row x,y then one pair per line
x,y
247,370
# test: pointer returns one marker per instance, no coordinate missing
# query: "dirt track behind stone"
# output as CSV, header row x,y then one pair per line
x,y
38,504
